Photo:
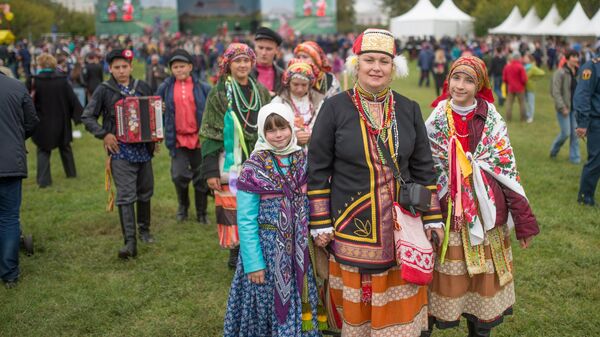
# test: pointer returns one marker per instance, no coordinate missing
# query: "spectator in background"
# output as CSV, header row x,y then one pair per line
x,y
563,86
533,73
92,74
425,63
5,70
496,67
155,72
56,105
440,70
17,122
515,77
266,72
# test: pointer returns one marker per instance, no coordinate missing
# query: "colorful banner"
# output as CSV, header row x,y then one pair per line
x,y
303,16
136,16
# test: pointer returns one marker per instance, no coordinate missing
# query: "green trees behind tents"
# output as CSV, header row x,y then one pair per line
x,y
36,17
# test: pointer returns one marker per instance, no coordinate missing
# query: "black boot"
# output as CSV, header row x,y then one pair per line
x,y
183,198
127,218
143,213
201,200
475,331
233,257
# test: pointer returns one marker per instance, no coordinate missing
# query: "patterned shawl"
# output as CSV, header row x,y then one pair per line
x,y
260,175
453,166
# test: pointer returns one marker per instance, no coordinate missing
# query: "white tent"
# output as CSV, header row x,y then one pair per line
x,y
529,22
512,20
596,23
463,21
576,24
548,26
421,20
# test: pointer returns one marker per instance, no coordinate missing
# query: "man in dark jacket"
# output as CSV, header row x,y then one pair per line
x,y
425,63
155,72
495,71
185,97
130,163
266,72
17,122
92,74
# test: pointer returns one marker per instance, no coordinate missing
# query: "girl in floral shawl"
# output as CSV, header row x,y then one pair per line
x,y
273,292
228,134
482,199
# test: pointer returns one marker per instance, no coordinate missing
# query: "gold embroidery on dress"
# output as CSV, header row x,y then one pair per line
x,y
364,228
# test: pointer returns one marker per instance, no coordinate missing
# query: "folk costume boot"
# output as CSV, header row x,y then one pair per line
x,y
143,213
233,257
475,331
183,198
127,218
201,200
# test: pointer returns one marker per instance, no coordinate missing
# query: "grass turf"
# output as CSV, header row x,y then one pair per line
x,y
74,285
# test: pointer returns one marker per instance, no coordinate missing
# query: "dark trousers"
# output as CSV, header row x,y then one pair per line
x,y
186,166
134,181
591,170
498,88
10,228
424,77
44,177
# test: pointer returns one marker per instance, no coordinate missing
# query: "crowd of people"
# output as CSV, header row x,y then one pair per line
x,y
338,208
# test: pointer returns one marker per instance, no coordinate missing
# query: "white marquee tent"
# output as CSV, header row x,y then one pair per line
x,y
527,24
576,24
426,20
596,23
463,21
512,20
549,25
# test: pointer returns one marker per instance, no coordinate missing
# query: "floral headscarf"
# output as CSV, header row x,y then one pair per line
x,y
300,68
316,54
475,68
234,51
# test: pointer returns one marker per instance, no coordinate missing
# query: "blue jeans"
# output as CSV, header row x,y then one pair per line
x,y
10,228
591,170
498,89
567,129
530,99
80,93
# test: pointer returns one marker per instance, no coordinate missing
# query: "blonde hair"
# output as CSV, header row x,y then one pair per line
x,y
440,56
46,60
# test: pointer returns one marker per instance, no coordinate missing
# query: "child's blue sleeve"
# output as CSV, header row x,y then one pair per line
x,y
247,219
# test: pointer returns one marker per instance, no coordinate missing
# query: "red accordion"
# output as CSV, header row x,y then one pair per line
x,y
139,119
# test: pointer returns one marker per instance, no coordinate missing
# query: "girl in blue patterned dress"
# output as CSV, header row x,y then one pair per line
x,y
273,291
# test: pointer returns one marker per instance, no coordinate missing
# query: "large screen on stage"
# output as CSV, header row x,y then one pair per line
x,y
304,16
136,16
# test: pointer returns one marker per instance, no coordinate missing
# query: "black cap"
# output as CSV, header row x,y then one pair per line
x,y
124,54
180,55
264,33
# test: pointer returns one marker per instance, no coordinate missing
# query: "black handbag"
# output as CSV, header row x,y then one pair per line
x,y
413,196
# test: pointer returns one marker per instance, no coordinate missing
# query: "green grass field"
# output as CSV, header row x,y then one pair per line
x,y
74,285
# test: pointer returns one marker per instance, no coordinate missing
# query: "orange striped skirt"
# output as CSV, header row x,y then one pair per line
x,y
226,212
397,308
479,298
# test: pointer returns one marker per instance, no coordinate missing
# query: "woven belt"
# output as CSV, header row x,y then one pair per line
x,y
268,227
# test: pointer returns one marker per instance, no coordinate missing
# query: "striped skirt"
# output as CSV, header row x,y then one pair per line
x,y
397,308
480,298
226,213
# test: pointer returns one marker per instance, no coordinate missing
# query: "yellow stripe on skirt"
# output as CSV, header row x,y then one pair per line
x,y
397,308
454,293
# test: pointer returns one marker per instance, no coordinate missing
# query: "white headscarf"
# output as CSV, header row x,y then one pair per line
x,y
284,111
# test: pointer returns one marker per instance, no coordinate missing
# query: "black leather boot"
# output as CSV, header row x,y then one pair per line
x,y
201,200
233,257
475,331
183,198
127,218
143,215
